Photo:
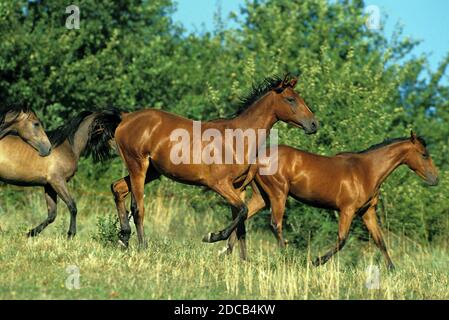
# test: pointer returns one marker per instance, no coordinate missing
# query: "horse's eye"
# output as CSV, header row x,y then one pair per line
x,y
425,156
36,124
291,100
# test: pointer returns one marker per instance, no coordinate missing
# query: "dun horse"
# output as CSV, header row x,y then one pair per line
x,y
88,133
22,121
347,182
143,140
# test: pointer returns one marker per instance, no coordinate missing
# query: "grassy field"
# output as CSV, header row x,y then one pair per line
x,y
177,265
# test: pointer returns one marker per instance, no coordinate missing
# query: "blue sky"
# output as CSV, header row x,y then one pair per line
x,y
422,20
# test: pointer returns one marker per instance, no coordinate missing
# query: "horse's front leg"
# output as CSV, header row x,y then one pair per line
x,y
51,198
370,220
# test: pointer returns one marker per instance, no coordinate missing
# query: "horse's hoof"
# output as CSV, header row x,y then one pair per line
x,y
223,251
316,262
122,244
208,237
391,267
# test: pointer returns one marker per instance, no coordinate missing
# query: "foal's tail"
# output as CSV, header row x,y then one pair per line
x,y
102,131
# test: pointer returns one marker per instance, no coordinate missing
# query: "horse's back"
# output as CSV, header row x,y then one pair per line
x,y
313,178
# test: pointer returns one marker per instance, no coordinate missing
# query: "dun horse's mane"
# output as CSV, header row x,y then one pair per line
x,y
386,142
101,131
67,131
15,110
257,92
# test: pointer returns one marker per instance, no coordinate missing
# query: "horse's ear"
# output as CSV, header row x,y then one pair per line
x,y
293,82
286,81
413,137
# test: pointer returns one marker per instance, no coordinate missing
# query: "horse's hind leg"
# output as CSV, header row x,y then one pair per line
x,y
51,199
277,215
344,225
227,191
255,204
120,189
137,173
61,189
370,220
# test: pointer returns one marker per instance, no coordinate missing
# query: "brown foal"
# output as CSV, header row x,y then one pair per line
x,y
347,182
143,140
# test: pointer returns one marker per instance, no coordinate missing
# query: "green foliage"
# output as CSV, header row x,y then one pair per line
x,y
362,86
107,230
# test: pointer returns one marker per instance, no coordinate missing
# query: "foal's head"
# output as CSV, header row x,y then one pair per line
x,y
291,108
24,122
418,159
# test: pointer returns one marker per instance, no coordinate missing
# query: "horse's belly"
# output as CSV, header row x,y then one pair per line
x,y
189,174
322,196
18,174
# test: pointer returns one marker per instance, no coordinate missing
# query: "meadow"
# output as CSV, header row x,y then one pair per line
x,y
177,265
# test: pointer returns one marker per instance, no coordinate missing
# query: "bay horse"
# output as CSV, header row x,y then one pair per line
x,y
89,133
143,140
22,121
348,182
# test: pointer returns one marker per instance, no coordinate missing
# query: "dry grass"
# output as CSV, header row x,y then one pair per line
x,y
177,265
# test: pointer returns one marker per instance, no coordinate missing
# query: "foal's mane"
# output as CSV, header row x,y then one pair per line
x,y
15,110
385,143
257,92
67,131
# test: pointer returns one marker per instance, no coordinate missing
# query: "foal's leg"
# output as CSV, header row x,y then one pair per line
x,y
227,191
120,190
255,204
370,220
51,199
277,215
344,225
61,189
137,173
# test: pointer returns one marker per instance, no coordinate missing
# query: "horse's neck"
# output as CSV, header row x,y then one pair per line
x,y
259,115
385,160
81,137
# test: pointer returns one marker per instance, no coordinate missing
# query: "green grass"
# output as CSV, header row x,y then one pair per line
x,y
177,265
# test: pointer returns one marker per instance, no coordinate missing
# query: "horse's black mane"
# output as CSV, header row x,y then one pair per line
x,y
15,109
257,92
387,142
67,131
101,131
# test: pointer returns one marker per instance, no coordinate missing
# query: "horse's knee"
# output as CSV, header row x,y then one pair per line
x,y
243,214
51,218
120,190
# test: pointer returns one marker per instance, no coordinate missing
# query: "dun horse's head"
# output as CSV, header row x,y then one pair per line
x,y
291,108
26,125
418,159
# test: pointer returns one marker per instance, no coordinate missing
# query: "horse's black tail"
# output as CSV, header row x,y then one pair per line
x,y
102,133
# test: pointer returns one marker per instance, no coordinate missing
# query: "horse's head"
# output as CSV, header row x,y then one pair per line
x,y
418,159
290,107
26,125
